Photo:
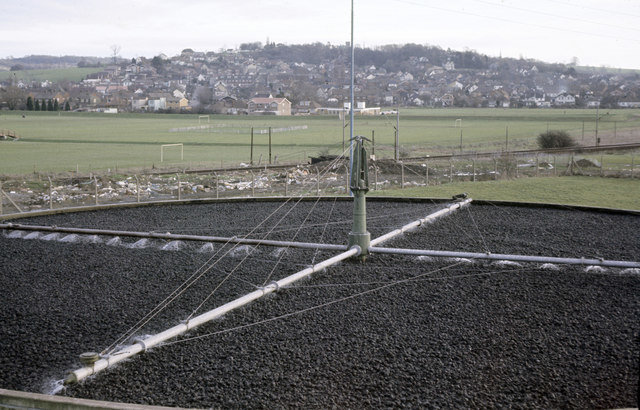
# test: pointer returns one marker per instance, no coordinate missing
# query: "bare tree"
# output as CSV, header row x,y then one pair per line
x,y
115,51
13,97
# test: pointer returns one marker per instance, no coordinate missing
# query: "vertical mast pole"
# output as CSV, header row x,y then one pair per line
x,y
351,97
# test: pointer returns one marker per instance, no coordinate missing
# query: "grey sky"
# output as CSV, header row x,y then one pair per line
x,y
598,32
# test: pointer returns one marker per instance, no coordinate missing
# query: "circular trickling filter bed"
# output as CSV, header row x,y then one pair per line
x,y
393,331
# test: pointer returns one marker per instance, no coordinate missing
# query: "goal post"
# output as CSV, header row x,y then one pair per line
x,y
163,146
458,123
203,117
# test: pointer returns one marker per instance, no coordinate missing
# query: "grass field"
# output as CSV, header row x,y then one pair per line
x,y
54,75
588,191
57,142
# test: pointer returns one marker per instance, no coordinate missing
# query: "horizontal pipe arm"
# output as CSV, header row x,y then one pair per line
x,y
414,224
174,237
154,340
507,257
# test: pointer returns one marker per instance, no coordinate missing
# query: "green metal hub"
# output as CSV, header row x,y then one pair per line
x,y
359,185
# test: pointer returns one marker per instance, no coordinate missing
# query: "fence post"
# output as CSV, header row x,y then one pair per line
x,y
515,158
253,184
632,166
426,176
217,185
2,197
375,178
450,171
346,177
179,194
495,169
473,166
401,175
555,170
570,167
137,188
601,165
251,155
286,183
537,165
269,145
317,182
50,193
95,186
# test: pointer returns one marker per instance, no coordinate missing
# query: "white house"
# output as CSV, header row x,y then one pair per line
x,y
157,104
564,99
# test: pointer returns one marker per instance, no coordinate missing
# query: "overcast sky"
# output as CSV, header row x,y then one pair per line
x,y
597,32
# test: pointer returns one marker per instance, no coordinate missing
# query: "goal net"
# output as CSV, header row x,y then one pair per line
x,y
165,146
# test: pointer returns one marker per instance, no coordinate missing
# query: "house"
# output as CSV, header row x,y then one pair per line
x,y
593,103
269,106
306,107
157,104
629,104
564,99
178,104
138,103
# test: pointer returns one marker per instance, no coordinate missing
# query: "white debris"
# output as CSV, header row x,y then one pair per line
x,y
463,260
207,247
507,263
549,266
32,235
172,246
139,244
70,238
15,234
631,271
424,258
115,241
241,250
595,268
92,239
51,237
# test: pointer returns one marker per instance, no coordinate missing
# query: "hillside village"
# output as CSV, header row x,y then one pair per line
x,y
314,79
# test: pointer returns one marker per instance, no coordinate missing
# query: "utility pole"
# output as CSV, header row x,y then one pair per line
x,y
251,155
269,145
397,143
351,94
373,144
344,125
597,119
506,139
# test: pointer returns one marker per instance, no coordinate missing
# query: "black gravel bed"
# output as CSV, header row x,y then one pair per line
x,y
395,331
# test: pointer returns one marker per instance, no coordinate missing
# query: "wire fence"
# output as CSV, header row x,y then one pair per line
x,y
42,192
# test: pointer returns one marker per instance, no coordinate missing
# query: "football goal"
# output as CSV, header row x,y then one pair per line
x,y
203,117
458,123
162,148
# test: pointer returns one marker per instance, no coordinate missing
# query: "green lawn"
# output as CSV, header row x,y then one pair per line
x,y
54,75
59,141
589,191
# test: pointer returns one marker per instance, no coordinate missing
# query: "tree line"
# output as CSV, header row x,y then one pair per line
x,y
34,104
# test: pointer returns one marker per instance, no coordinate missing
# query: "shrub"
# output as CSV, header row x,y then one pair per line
x,y
555,139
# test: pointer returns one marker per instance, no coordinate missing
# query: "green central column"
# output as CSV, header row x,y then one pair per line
x,y
359,185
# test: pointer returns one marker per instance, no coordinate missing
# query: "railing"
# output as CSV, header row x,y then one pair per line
x,y
42,192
